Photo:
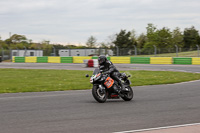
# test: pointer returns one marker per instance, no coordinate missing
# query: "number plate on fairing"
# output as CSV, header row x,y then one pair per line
x,y
109,82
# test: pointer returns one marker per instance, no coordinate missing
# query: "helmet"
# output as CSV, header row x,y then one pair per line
x,y
102,59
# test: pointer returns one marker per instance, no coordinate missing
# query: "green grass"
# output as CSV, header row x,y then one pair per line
x,y
34,80
140,78
180,54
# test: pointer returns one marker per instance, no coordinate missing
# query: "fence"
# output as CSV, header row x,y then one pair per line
x,y
136,52
5,54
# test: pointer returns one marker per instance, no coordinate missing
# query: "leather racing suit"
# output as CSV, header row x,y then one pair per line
x,y
109,68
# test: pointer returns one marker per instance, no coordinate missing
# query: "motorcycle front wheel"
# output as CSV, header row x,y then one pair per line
x,y
98,95
128,95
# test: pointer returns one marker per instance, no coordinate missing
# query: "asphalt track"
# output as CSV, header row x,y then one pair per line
x,y
77,112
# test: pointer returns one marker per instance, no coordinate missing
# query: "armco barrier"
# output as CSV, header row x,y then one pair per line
x,y
79,59
43,59
96,57
196,61
53,59
30,59
124,60
19,59
140,60
66,59
161,60
182,60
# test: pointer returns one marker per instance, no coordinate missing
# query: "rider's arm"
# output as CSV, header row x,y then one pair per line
x,y
111,68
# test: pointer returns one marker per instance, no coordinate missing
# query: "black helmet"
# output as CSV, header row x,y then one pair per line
x,y
102,59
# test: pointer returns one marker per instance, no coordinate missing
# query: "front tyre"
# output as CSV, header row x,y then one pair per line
x,y
98,95
128,95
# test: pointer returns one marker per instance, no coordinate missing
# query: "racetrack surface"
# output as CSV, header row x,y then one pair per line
x,y
77,111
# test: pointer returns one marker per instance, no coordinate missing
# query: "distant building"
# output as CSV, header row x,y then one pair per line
x,y
84,52
22,53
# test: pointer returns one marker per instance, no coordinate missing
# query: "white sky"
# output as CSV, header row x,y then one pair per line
x,y
74,21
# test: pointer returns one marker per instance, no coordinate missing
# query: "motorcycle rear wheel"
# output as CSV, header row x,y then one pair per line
x,y
128,96
98,96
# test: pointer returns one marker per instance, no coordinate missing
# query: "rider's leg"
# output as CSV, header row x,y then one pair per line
x,y
114,75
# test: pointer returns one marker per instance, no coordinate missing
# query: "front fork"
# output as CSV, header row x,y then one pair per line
x,y
102,89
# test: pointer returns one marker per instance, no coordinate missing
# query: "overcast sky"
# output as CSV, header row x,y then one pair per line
x,y
74,21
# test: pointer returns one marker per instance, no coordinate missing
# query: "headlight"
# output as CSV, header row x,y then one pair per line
x,y
91,80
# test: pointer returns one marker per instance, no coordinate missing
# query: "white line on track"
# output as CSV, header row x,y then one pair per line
x,y
158,128
193,81
23,97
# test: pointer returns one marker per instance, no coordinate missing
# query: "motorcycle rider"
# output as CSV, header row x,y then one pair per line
x,y
108,68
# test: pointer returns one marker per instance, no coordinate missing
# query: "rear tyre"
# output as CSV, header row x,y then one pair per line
x,y
98,95
128,96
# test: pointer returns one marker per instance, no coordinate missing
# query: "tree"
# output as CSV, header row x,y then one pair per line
x,y
151,33
141,40
123,39
164,39
177,37
161,38
34,46
133,37
91,42
3,44
191,37
152,36
8,42
104,45
18,38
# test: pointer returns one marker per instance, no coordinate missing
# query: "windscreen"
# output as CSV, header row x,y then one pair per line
x,y
96,71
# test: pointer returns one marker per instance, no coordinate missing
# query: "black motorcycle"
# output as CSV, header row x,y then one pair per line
x,y
104,87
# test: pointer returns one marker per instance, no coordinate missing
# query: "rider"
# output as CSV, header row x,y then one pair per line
x,y
108,68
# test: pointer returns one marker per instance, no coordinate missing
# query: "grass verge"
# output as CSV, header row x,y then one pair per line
x,y
180,54
34,80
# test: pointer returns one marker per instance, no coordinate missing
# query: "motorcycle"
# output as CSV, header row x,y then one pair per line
x,y
104,87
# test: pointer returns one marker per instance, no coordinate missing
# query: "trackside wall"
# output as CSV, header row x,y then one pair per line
x,y
114,59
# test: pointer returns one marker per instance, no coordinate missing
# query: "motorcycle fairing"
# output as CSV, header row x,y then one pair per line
x,y
109,82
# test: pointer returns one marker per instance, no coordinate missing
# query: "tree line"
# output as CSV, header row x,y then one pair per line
x,y
154,37
161,38
21,42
